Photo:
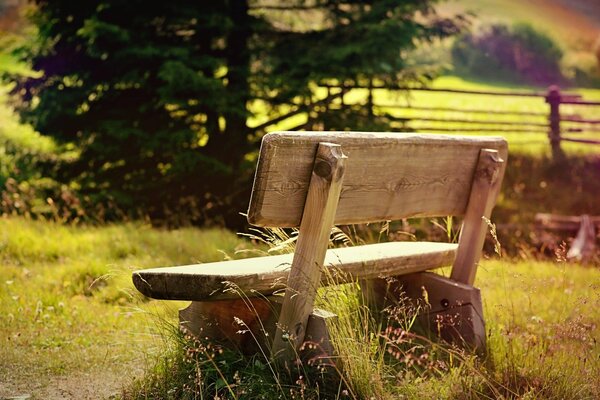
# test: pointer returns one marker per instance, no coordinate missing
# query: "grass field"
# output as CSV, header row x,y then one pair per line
x,y
68,311
72,325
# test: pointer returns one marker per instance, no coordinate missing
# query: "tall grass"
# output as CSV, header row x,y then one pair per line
x,y
67,306
531,347
67,303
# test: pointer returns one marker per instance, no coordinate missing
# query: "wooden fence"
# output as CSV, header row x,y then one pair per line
x,y
555,123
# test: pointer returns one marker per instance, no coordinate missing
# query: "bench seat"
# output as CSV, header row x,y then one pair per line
x,y
266,275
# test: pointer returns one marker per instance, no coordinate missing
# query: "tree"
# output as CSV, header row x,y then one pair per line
x,y
514,53
153,98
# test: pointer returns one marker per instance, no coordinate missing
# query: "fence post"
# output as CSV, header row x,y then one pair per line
x,y
553,99
370,111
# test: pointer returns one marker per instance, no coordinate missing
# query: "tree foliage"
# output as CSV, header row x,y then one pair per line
x,y
517,53
154,97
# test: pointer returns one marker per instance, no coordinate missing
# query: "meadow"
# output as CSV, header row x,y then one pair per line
x,y
70,318
72,325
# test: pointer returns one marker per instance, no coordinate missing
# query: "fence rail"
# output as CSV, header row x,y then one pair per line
x,y
556,123
463,110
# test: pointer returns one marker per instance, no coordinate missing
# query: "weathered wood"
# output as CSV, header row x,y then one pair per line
x,y
576,140
452,310
486,121
553,98
449,309
446,90
562,222
388,175
244,323
304,180
584,245
580,102
267,275
249,325
444,128
485,189
462,110
309,256
580,120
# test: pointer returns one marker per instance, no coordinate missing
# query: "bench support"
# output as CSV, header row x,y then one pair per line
x,y
484,190
453,310
449,309
313,239
248,324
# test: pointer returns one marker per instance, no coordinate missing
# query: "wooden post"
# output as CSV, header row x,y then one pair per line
x,y
310,114
453,310
248,324
584,246
553,98
370,110
484,189
313,238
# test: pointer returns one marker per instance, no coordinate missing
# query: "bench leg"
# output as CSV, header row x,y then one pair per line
x,y
451,310
239,323
249,325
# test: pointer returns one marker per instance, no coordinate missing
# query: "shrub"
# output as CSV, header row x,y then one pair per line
x,y
518,53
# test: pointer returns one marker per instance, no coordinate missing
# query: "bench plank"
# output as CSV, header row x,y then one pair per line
x,y
388,175
266,275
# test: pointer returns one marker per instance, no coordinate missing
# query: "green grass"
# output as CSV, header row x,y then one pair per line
x,y
67,304
69,315
542,323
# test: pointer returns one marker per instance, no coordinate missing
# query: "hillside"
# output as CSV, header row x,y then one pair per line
x,y
574,24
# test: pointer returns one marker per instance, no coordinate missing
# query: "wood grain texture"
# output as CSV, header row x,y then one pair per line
x,y
249,325
387,176
267,275
309,256
455,311
486,186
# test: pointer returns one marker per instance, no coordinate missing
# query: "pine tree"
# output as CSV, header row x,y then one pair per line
x,y
153,97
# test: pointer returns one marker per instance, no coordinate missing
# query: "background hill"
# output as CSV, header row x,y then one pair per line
x,y
574,24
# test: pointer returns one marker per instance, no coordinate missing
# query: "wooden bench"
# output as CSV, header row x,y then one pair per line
x,y
314,180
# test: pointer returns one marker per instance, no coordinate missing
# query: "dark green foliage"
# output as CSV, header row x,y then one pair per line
x,y
154,95
519,53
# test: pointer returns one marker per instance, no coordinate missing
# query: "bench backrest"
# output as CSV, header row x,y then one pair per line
x,y
387,176
317,179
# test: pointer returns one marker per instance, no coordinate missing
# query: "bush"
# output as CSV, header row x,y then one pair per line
x,y
519,54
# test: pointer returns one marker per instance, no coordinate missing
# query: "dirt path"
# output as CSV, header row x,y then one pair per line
x,y
97,384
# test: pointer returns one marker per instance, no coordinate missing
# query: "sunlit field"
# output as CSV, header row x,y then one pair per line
x,y
534,144
72,325
71,321
69,313
68,309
